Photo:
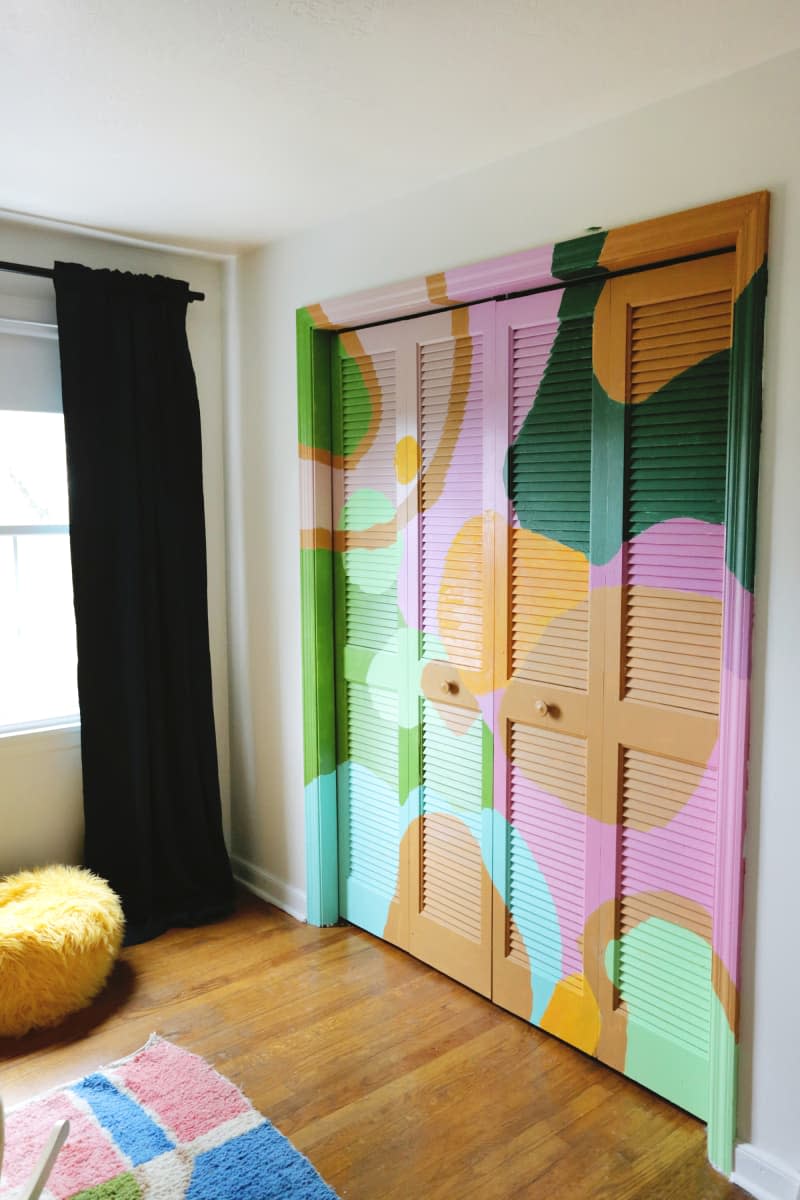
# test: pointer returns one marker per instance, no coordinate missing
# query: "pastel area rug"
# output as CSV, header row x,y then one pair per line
x,y
159,1125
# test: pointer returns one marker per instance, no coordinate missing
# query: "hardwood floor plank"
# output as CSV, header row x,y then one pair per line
x,y
397,1082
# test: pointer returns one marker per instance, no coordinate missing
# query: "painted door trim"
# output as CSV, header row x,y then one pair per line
x,y
739,224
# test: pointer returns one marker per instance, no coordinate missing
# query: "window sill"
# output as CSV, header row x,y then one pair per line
x,y
38,739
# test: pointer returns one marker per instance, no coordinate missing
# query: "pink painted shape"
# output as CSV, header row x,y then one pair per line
x,y
456,505
736,646
559,856
379,304
679,856
735,725
476,281
683,555
196,1099
670,870
89,1156
509,273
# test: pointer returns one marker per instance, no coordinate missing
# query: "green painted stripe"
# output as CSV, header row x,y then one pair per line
x,y
578,256
745,428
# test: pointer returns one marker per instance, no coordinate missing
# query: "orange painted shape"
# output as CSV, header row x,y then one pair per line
x,y
553,579
573,1014
640,346
407,459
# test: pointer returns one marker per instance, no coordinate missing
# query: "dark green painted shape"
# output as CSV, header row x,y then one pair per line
x,y
677,447
608,443
745,428
122,1187
580,300
578,256
548,467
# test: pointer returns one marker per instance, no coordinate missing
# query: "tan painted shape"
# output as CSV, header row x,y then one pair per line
x,y
352,346
450,924
628,294
436,286
316,539
319,317
741,223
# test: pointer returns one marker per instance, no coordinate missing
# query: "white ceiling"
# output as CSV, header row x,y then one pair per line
x,y
227,124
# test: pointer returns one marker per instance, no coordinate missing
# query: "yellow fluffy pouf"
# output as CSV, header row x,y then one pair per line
x,y
60,931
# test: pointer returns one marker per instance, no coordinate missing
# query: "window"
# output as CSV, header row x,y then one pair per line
x,y
38,659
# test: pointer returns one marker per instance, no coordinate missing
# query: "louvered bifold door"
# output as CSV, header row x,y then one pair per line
x,y
449,603
662,349
367,377
545,761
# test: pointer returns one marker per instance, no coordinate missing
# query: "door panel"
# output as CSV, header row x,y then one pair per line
x,y
661,350
541,849
529,580
450,602
366,382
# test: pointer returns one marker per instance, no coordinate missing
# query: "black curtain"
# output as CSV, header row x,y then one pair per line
x,y
137,534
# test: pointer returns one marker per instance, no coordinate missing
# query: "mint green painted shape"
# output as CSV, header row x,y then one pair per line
x,y
372,732
366,508
663,973
385,671
722,1117
373,571
523,889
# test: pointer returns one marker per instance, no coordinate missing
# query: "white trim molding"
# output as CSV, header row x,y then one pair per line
x,y
763,1176
267,887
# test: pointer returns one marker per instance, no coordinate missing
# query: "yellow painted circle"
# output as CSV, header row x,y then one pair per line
x,y
407,459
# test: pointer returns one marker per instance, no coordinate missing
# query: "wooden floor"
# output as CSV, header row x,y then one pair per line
x,y
395,1081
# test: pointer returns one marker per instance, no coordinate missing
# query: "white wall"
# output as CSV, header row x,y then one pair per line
x,y
41,816
732,137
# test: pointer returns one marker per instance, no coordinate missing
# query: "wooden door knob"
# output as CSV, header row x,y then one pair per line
x,y
449,687
542,707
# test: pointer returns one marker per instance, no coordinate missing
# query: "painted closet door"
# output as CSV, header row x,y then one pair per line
x,y
662,349
414,634
547,770
449,590
367,378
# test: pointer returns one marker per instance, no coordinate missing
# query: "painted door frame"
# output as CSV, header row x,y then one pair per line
x,y
740,225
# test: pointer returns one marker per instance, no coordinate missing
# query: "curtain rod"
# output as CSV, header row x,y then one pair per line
x,y
47,273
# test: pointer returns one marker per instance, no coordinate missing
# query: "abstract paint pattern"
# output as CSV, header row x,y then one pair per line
x,y
535,594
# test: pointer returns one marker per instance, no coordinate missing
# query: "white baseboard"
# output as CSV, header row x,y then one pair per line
x,y
275,891
764,1177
